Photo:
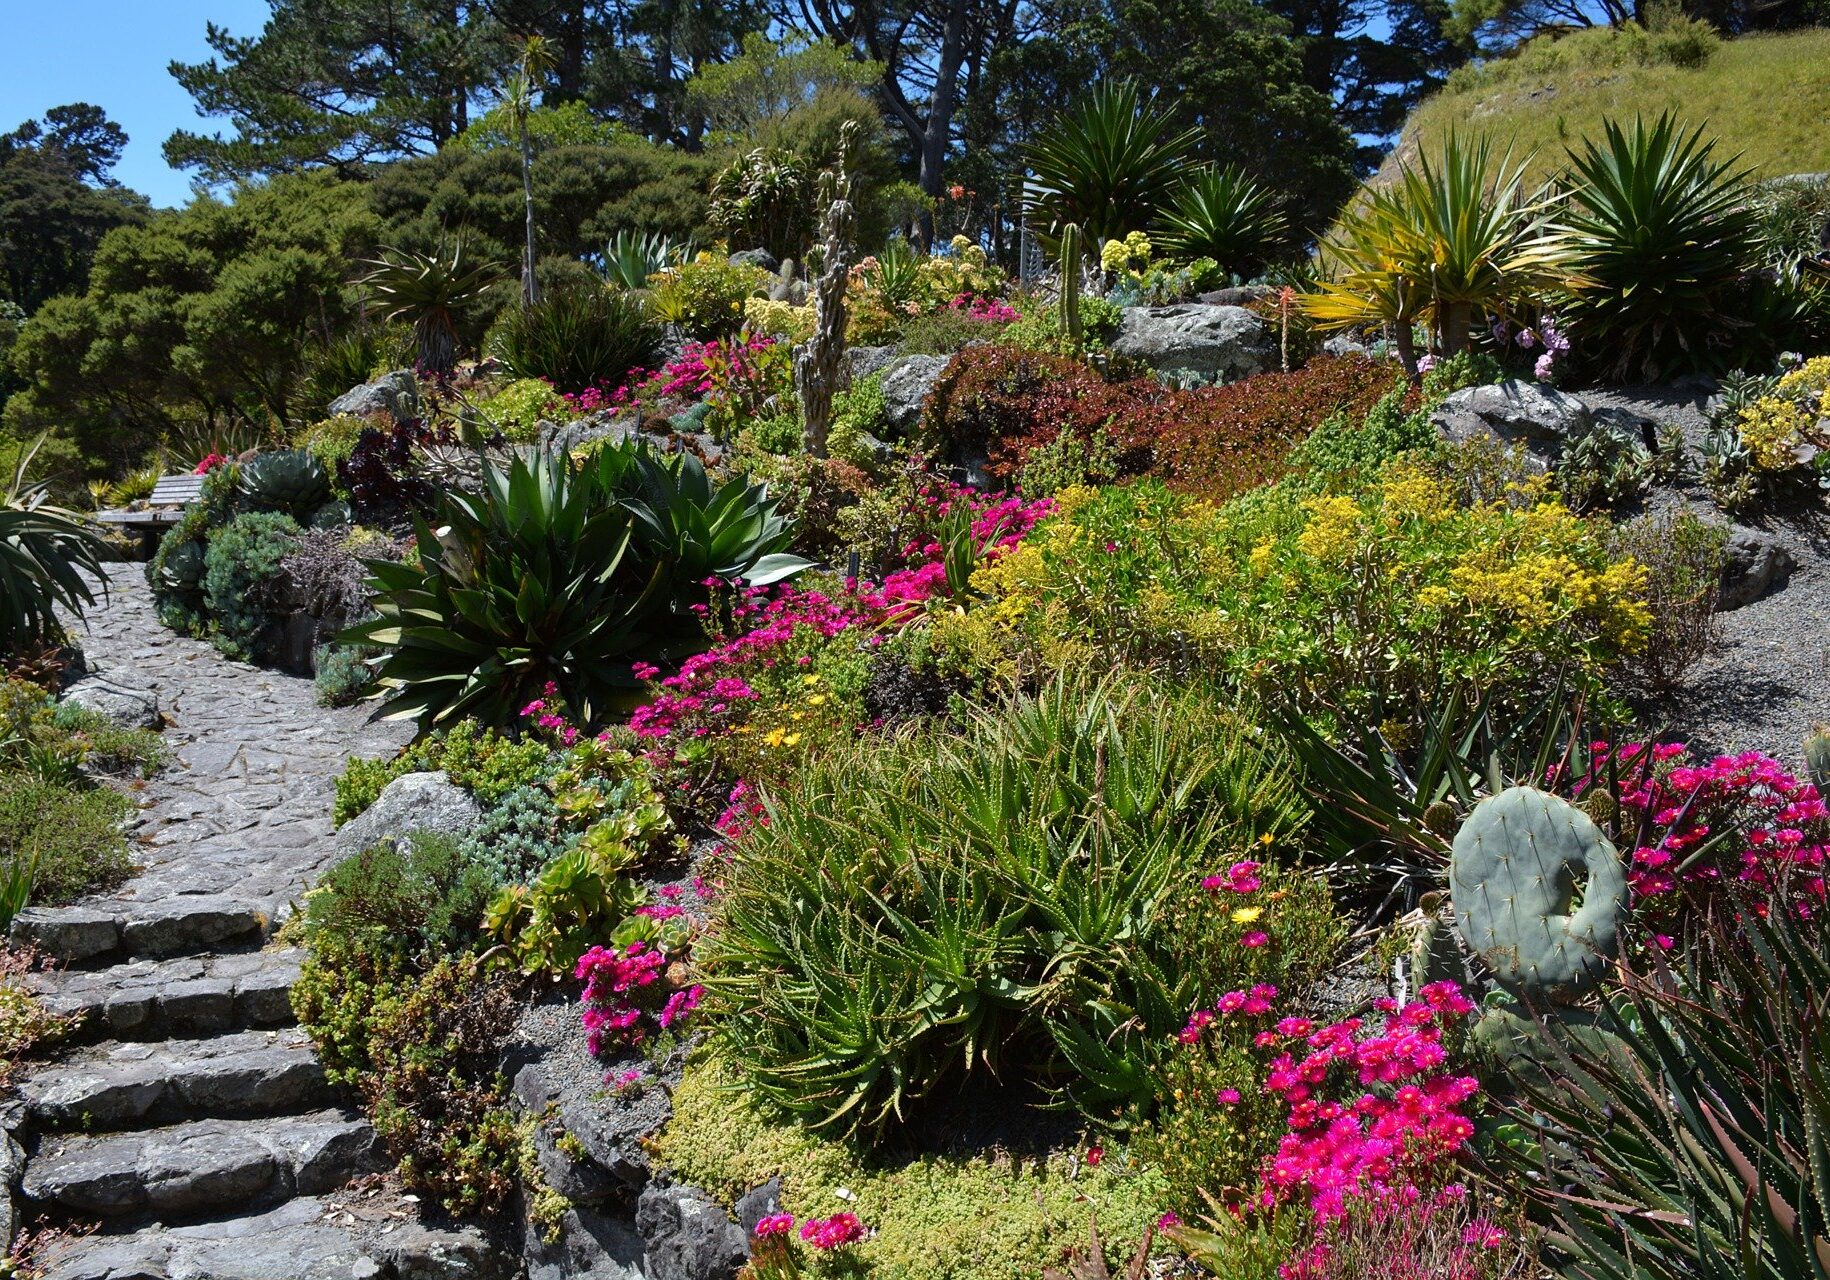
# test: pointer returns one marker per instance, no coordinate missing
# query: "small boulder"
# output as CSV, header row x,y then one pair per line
x,y
756,258
128,707
759,1203
1533,413
1192,337
1237,295
395,394
1341,345
12,1166
861,362
412,802
687,1237
589,1246
1754,563
906,383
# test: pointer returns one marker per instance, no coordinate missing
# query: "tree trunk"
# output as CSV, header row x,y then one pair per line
x,y
1406,346
530,288
939,129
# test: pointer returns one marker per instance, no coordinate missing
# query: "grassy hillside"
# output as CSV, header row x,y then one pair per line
x,y
1766,96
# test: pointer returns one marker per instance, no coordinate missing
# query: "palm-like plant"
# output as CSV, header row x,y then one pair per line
x,y
1454,239
1660,233
1109,165
1222,214
631,257
426,290
44,552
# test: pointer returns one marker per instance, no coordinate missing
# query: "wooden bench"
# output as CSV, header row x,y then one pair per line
x,y
163,509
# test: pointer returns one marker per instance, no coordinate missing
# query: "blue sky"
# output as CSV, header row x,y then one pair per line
x,y
114,53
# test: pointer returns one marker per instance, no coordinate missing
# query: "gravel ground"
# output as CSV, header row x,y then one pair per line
x,y
1768,677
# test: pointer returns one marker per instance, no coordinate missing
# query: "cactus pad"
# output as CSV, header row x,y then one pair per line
x,y
1513,877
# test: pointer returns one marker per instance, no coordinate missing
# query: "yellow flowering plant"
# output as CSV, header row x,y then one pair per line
x,y
1346,602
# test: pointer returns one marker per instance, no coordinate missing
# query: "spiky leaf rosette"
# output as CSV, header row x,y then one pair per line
x,y
1108,165
1514,878
44,553
1222,214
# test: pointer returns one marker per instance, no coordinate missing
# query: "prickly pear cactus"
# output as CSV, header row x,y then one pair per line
x,y
1817,756
1513,879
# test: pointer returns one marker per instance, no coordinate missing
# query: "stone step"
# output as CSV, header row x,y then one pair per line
x,y
304,1239
204,1167
185,996
178,926
134,1084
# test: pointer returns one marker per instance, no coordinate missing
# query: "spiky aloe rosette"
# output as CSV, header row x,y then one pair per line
x,y
1514,879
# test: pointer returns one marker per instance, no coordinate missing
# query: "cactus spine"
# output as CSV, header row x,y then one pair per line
x,y
1513,880
1070,285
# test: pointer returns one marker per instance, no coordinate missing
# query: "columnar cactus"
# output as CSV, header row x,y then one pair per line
x,y
817,361
1817,756
1513,877
1070,284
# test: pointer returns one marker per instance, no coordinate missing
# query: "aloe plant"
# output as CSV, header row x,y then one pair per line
x,y
427,290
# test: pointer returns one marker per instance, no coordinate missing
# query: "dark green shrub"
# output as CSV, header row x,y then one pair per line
x,y
577,338
562,571
1108,165
420,897
1020,898
240,579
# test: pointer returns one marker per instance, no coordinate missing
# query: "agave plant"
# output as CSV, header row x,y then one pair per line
x,y
44,552
426,290
1659,234
1109,165
577,338
631,257
896,276
1696,1145
286,480
558,571
1455,239
1222,214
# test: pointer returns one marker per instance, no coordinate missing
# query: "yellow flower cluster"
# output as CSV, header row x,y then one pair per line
x,y
1772,429
1133,252
778,319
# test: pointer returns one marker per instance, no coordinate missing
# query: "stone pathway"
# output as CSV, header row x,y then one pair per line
x,y
192,1120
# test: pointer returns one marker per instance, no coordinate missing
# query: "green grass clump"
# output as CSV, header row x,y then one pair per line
x,y
1552,94
982,1217
71,834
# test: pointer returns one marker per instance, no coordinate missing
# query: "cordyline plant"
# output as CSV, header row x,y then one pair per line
x,y
1697,1145
44,553
1454,239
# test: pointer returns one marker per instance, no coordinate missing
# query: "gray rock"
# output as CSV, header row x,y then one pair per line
x,y
1533,413
758,1203
69,933
303,1239
396,394
201,1166
861,362
614,1166
113,1085
757,258
1341,345
906,383
687,1237
130,708
1192,337
412,802
186,996
1754,563
590,1246
1237,295
12,1165
188,923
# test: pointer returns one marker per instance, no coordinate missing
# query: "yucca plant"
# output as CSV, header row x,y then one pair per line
x,y
1660,233
1455,239
1697,1146
991,902
562,571
896,275
577,338
631,257
44,552
1109,165
1220,213
426,291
